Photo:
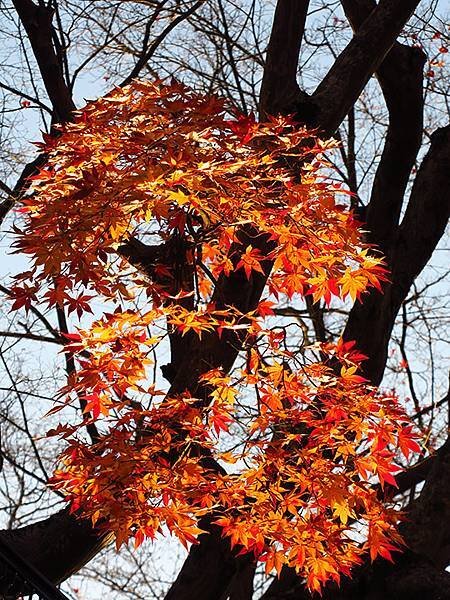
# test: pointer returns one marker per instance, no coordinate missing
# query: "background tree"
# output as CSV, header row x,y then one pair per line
x,y
394,158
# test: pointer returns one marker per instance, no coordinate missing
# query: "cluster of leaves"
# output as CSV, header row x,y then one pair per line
x,y
216,196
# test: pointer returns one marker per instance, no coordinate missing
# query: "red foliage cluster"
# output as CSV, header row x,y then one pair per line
x,y
162,163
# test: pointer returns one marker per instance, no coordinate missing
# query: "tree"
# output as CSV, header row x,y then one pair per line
x,y
372,50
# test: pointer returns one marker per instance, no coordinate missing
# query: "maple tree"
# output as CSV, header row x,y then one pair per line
x,y
180,243
161,161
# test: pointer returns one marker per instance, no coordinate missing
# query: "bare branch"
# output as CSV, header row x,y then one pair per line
x,y
21,94
147,55
37,21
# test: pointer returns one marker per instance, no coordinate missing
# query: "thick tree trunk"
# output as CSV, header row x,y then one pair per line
x,y
370,323
410,578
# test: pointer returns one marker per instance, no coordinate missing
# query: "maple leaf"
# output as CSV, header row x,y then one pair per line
x,y
353,284
407,441
243,127
265,308
23,296
322,287
347,350
350,374
220,421
251,261
378,542
385,472
96,404
79,305
342,511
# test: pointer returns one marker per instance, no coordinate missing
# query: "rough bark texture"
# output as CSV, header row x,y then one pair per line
x,y
400,76
427,529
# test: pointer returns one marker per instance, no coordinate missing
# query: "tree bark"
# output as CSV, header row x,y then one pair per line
x,y
279,89
371,322
400,76
419,571
58,546
409,578
356,64
37,21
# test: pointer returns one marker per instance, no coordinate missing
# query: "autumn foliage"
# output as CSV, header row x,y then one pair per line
x,y
283,452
